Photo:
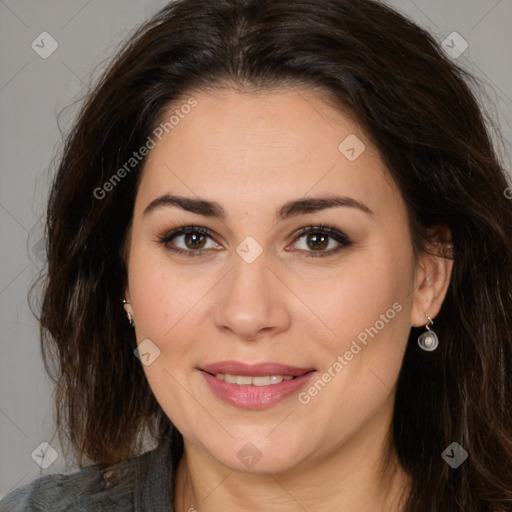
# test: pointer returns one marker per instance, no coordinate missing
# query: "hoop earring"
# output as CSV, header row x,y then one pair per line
x,y
129,315
428,340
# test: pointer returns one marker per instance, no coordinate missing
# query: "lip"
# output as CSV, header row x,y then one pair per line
x,y
255,397
254,370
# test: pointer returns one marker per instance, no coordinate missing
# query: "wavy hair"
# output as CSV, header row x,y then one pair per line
x,y
417,107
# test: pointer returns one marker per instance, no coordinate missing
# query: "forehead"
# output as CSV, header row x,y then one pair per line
x,y
245,148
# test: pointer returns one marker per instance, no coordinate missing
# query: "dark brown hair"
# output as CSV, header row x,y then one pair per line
x,y
420,112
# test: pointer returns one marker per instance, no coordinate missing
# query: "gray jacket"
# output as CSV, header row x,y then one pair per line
x,y
141,484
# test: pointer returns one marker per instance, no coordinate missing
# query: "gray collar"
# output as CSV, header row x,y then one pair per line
x,y
150,476
153,491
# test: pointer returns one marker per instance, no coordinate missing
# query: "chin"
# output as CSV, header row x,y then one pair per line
x,y
258,455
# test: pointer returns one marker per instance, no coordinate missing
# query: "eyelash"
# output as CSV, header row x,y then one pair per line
x,y
322,229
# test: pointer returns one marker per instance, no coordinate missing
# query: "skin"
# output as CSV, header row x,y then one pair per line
x,y
251,154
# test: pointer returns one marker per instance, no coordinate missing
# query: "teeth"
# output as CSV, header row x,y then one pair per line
x,y
241,380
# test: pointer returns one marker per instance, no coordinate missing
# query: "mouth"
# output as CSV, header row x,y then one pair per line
x,y
254,386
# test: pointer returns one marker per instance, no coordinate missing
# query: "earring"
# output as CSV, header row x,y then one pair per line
x,y
129,315
428,340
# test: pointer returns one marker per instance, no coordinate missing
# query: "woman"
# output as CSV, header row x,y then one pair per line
x,y
280,248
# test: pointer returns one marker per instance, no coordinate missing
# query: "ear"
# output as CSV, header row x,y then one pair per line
x,y
432,275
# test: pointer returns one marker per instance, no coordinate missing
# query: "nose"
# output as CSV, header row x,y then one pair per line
x,y
251,301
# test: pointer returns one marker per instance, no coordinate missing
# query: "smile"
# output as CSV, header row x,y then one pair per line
x,y
255,391
265,380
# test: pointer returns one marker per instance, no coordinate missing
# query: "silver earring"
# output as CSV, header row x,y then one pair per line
x,y
129,315
428,340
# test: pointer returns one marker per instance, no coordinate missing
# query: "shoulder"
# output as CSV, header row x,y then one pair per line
x,y
83,491
140,484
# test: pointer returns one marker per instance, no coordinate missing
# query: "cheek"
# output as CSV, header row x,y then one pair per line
x,y
162,293
368,297
166,304
367,308
361,362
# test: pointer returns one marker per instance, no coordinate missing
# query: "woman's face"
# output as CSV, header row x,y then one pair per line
x,y
335,307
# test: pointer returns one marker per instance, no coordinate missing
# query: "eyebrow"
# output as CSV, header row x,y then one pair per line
x,y
288,210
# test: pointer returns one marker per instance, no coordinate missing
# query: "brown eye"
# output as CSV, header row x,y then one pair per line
x,y
317,241
193,240
319,238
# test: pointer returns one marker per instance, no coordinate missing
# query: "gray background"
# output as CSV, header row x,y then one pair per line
x,y
33,93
